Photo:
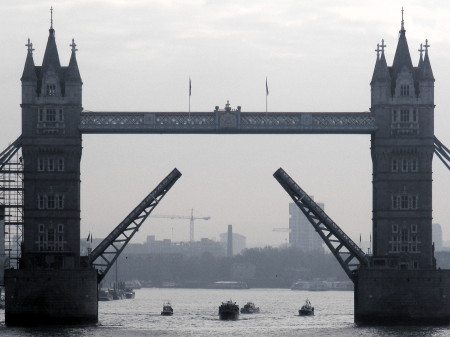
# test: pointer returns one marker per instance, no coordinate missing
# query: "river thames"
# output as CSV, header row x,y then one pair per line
x,y
195,314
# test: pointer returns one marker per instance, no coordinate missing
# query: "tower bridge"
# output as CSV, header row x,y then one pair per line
x,y
53,283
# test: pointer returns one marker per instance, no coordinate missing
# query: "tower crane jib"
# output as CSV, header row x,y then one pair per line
x,y
191,221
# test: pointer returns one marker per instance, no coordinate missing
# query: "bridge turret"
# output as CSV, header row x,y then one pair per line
x,y
381,79
29,78
426,78
73,81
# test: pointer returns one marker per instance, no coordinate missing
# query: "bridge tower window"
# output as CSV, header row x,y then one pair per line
x,y
51,89
404,90
60,163
41,164
53,201
394,116
404,115
404,201
50,237
51,164
41,201
405,164
394,165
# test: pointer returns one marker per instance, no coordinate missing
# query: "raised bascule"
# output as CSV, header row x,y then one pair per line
x,y
48,281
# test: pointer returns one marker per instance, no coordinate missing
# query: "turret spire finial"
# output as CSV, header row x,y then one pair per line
x,y
421,50
29,46
426,46
73,45
51,17
380,48
378,51
403,22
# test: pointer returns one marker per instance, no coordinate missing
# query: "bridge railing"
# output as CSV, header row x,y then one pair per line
x,y
233,121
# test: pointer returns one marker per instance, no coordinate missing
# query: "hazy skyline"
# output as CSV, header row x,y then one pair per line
x,y
139,55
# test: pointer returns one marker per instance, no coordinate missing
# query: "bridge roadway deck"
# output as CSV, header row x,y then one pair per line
x,y
233,121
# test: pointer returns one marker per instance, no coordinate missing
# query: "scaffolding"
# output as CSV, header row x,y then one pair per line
x,y
11,196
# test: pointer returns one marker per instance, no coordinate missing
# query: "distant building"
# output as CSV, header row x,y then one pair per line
x,y
437,236
166,246
239,242
302,234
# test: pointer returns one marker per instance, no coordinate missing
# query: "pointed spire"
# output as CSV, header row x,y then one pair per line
x,y
29,71
427,72
381,71
73,73
51,56
402,57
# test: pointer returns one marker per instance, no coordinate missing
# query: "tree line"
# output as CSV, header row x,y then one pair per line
x,y
258,267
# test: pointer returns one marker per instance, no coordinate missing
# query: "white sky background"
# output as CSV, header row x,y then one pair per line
x,y
138,56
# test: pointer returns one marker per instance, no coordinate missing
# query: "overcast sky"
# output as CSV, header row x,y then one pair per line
x,y
138,56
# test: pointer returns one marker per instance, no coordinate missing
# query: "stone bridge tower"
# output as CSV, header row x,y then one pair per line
x,y
51,107
402,284
52,284
402,150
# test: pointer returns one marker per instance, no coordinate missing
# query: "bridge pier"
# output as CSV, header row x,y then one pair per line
x,y
402,296
37,297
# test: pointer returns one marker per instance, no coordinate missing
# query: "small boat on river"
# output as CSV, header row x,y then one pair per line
x,y
249,308
129,293
167,309
105,295
229,310
307,309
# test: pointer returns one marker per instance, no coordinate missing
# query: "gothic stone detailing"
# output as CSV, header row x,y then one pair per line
x,y
228,121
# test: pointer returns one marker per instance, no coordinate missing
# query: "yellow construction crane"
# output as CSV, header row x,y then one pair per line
x,y
191,218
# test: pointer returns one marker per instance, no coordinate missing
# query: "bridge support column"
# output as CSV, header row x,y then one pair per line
x,y
402,296
36,297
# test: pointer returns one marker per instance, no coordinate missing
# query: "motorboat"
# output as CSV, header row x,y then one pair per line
x,y
229,310
167,309
249,308
129,293
105,295
307,309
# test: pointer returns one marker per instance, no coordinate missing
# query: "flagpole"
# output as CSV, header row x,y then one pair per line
x,y
189,97
267,93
